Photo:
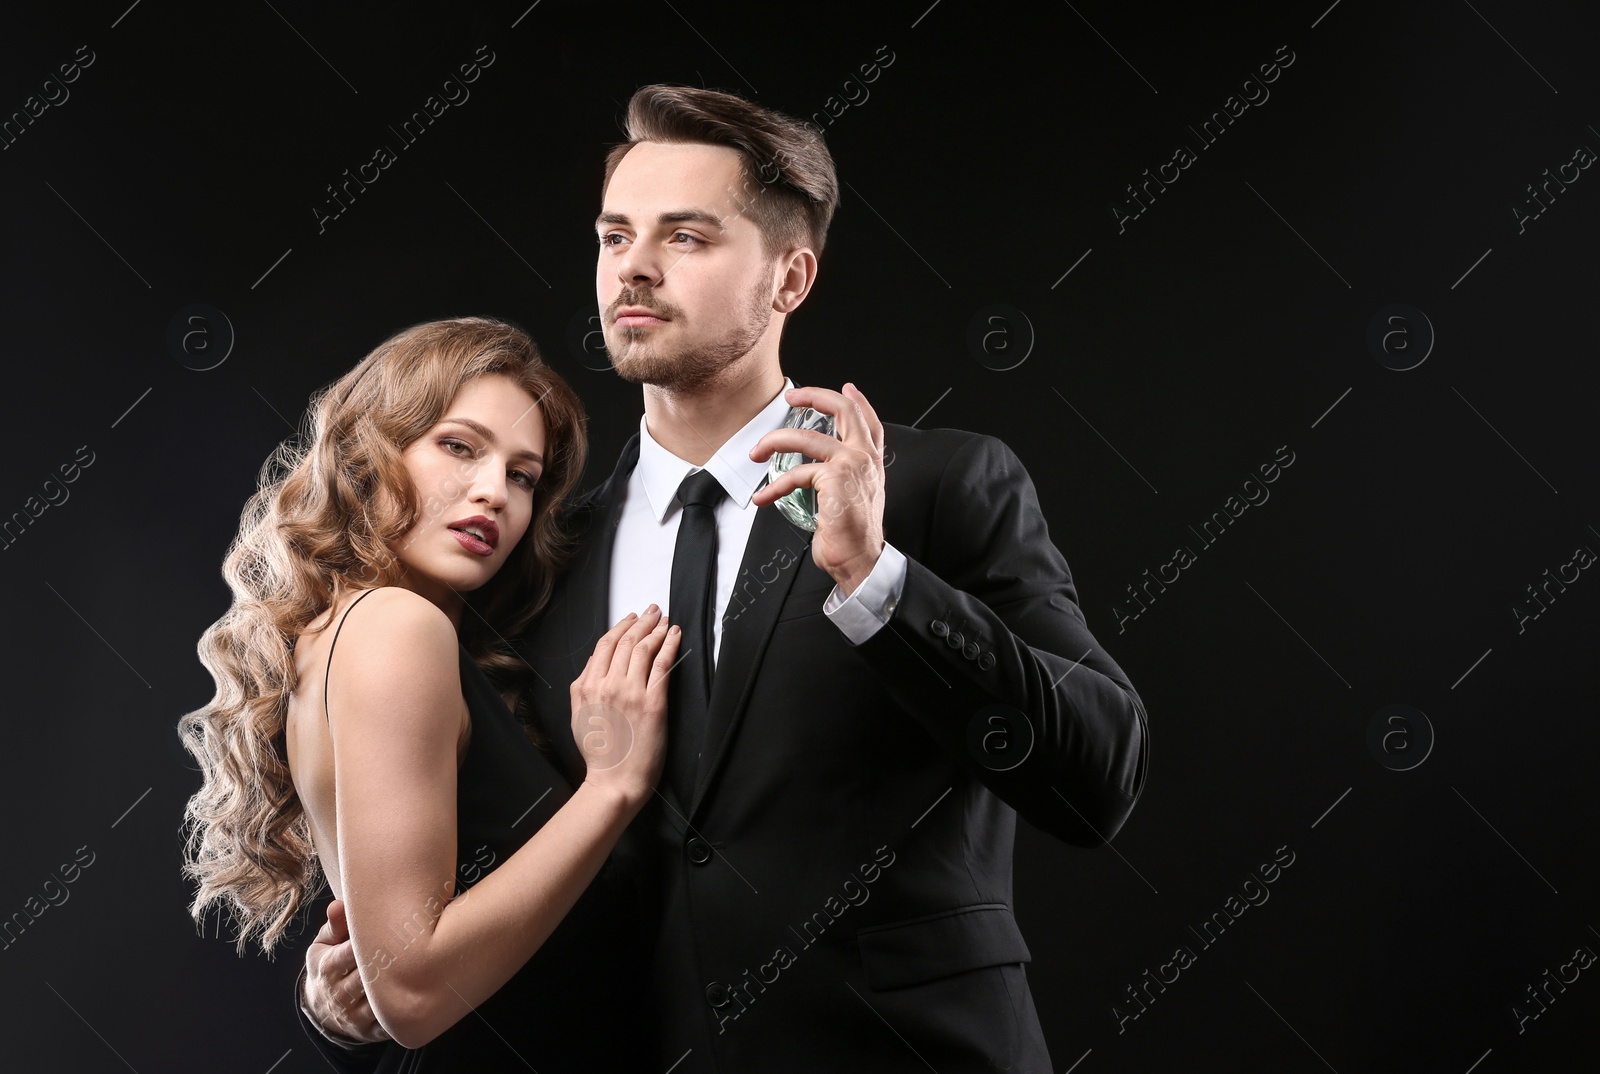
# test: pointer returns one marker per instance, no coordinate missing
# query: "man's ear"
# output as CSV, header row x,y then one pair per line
x,y
797,271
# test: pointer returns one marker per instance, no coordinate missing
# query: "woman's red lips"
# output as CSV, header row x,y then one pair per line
x,y
477,534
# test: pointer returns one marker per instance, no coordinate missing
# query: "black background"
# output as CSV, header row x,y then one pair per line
x,y
1174,358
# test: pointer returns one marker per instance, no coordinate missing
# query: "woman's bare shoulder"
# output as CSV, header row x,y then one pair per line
x,y
389,613
395,641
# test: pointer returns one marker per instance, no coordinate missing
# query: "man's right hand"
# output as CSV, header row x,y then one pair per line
x,y
334,997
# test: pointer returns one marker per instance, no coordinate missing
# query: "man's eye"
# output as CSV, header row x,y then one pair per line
x,y
611,239
683,238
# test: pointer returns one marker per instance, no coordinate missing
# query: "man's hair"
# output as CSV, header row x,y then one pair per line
x,y
790,190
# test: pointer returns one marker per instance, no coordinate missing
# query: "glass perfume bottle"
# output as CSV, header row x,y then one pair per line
x,y
799,506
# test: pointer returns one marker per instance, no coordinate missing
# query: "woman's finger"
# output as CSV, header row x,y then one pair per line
x,y
645,649
658,638
622,655
666,657
600,659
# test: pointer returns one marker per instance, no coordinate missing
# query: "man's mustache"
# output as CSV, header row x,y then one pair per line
x,y
643,300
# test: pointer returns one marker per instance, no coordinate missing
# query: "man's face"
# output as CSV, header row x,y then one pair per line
x,y
684,285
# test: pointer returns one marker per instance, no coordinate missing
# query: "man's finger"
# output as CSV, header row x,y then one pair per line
x,y
874,425
849,420
331,965
325,935
808,442
801,476
338,922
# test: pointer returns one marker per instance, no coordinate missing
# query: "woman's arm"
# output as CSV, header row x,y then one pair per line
x,y
395,714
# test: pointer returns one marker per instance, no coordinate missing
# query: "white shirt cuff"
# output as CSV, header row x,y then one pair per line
x,y
864,612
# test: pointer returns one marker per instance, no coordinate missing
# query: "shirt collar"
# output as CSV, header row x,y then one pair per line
x,y
662,472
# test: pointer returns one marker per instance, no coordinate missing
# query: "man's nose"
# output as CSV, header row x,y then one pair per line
x,y
639,264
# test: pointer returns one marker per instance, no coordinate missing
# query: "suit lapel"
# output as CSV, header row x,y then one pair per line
x,y
775,545
584,594
588,595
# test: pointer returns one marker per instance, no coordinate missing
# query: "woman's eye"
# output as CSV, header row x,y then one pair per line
x,y
524,479
451,445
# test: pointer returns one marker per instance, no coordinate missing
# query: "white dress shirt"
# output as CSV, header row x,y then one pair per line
x,y
647,532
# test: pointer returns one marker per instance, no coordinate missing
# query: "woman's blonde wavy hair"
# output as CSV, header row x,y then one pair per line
x,y
330,507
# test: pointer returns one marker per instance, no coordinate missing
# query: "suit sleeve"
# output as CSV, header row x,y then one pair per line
x,y
345,1058
988,650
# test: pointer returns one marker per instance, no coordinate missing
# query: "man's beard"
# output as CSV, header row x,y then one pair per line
x,y
684,367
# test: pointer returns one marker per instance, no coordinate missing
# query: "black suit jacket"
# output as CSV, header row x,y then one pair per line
x,y
836,892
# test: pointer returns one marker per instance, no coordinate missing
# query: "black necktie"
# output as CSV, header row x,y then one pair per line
x,y
692,603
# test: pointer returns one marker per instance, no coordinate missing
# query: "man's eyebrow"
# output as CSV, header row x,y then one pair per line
x,y
694,216
483,431
679,216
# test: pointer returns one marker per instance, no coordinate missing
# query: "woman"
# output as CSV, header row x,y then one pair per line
x,y
360,729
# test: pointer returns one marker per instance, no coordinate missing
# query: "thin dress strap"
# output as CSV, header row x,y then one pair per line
x,y
329,666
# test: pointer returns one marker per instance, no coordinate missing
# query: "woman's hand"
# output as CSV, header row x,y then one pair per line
x,y
619,705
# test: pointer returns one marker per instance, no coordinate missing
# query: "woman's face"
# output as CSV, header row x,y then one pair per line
x,y
474,473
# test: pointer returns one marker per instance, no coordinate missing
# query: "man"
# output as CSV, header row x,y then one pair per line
x,y
824,880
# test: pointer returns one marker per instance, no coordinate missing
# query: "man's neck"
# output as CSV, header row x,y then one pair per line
x,y
694,424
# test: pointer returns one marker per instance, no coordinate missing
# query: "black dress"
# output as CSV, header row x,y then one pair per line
x,y
563,1010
